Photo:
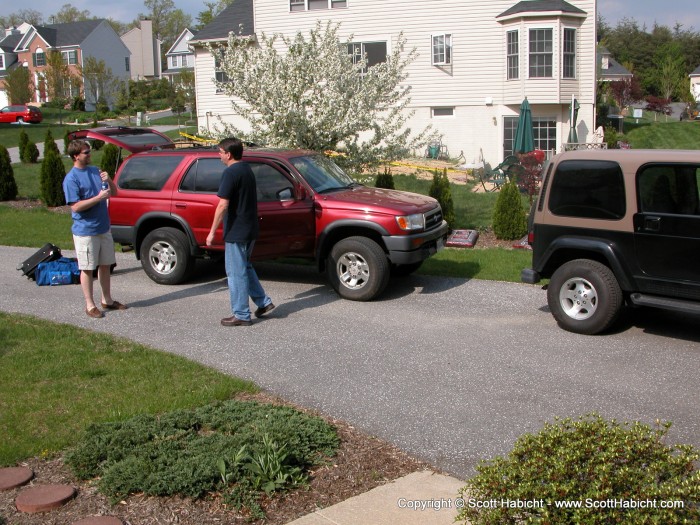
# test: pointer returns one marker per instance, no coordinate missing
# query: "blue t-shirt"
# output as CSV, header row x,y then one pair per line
x,y
78,186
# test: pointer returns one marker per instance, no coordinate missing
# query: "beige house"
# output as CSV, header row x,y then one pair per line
x,y
145,51
477,61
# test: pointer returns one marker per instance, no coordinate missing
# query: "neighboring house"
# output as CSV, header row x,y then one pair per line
x,y
8,59
145,51
477,61
695,83
75,41
179,57
610,69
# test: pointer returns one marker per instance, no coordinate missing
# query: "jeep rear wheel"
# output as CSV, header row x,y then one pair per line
x,y
358,269
165,256
584,296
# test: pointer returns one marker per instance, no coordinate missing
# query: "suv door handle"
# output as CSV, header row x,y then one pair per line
x,y
652,224
181,205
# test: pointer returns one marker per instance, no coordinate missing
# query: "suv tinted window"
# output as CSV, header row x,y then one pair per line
x,y
270,183
588,189
669,189
148,173
204,176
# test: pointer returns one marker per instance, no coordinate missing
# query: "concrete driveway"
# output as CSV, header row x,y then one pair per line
x,y
450,370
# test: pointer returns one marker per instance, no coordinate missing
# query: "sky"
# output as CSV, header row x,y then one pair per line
x,y
644,12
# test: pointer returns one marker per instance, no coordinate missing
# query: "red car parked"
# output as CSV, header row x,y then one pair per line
x,y
308,208
20,113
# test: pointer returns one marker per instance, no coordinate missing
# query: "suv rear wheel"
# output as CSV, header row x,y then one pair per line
x,y
165,256
358,269
584,296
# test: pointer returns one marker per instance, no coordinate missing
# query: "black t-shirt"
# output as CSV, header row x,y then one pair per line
x,y
241,219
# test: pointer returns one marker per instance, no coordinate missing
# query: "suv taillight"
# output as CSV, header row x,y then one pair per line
x,y
530,237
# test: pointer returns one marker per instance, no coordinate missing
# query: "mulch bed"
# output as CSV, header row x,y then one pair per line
x,y
362,463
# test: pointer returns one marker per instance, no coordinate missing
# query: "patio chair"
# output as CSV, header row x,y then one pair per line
x,y
499,175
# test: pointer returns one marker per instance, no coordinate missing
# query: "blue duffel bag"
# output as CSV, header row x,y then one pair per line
x,y
61,271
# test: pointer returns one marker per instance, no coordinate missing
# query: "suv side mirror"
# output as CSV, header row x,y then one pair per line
x,y
285,194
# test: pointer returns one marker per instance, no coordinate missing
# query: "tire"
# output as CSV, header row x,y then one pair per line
x,y
402,270
165,256
584,297
358,269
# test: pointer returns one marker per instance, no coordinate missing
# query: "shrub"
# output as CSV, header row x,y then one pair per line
x,y
23,141
66,141
589,460
50,143
385,180
440,189
78,104
31,153
192,452
110,159
51,179
509,217
8,185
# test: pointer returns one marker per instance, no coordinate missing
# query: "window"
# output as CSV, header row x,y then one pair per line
x,y
443,112
270,183
173,61
442,49
183,60
540,53
374,52
204,176
311,5
219,75
592,189
148,173
510,124
2,61
569,54
39,58
544,131
127,63
70,57
669,189
513,54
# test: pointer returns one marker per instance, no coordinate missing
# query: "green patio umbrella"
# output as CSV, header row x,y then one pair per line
x,y
573,113
524,141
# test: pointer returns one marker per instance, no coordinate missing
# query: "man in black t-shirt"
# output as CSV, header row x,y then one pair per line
x,y
238,208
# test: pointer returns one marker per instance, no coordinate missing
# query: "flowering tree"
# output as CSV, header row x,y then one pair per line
x,y
313,96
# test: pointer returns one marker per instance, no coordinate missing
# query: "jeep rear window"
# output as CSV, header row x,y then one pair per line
x,y
589,189
148,173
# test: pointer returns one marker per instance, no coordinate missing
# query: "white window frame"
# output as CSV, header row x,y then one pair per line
x,y
568,56
513,55
183,60
219,75
173,61
70,57
441,49
540,53
2,61
38,52
357,51
296,6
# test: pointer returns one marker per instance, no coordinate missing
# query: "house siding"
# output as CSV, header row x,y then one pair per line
x,y
474,84
105,44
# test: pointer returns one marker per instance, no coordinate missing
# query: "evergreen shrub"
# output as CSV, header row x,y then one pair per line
x,y
110,159
8,185
31,153
441,190
509,217
23,141
385,180
592,461
51,179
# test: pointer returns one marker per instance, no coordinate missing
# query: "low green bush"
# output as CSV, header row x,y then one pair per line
x,y
384,180
606,467
236,445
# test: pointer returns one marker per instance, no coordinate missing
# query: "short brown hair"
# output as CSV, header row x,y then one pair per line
x,y
75,147
233,146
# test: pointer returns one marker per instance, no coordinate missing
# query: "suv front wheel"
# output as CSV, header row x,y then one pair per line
x,y
165,256
358,268
584,296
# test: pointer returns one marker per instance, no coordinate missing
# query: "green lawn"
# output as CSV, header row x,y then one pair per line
x,y
662,135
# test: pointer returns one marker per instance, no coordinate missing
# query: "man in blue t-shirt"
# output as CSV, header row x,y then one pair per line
x,y
87,191
238,208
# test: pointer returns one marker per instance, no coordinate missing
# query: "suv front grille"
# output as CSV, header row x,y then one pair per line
x,y
433,218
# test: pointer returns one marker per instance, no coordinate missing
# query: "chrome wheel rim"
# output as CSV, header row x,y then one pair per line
x,y
353,270
578,298
163,257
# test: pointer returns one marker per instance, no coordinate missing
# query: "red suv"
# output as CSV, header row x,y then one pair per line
x,y
20,113
308,208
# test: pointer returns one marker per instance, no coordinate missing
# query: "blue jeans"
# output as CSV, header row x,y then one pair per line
x,y
242,280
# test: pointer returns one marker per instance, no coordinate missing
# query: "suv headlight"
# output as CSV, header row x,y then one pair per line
x,y
411,222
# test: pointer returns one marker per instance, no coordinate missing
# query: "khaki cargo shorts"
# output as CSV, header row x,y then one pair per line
x,y
94,251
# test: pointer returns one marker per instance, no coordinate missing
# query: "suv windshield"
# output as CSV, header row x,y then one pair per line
x,y
322,174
